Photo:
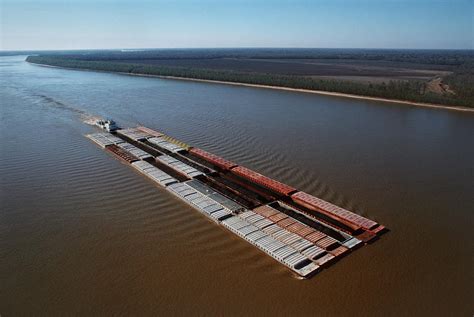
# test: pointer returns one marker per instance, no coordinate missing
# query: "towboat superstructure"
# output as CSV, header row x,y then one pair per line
x,y
107,125
301,231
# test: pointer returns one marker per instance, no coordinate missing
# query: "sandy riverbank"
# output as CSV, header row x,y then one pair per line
x,y
319,92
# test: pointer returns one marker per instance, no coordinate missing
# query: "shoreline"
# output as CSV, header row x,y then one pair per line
x,y
300,90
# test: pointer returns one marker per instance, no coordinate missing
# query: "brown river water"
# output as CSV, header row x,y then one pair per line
x,y
83,234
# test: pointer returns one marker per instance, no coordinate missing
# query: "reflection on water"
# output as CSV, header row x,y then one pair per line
x,y
80,232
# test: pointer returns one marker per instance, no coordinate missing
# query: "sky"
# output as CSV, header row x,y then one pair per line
x,y
103,24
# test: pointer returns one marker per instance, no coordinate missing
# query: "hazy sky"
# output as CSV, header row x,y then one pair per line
x,y
81,24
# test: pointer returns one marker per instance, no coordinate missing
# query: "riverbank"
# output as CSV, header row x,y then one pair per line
x,y
319,92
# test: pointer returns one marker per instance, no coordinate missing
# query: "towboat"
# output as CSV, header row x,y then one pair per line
x,y
108,125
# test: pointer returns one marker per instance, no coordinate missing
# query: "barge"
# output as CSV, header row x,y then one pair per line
x,y
303,232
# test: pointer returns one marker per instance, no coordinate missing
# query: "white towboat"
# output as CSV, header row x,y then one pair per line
x,y
107,125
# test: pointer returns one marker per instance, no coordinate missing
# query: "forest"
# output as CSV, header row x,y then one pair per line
x,y
393,74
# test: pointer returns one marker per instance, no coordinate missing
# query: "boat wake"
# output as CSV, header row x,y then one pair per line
x,y
90,119
84,116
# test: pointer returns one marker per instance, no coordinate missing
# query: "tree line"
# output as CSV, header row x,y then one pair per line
x,y
461,81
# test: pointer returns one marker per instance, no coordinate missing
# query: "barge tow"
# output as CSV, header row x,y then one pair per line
x,y
303,232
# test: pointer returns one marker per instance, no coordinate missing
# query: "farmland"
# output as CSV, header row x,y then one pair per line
x,y
430,76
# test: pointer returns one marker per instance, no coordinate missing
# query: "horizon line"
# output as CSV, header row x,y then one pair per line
x,y
226,48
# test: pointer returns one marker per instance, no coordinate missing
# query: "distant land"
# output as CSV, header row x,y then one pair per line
x,y
442,77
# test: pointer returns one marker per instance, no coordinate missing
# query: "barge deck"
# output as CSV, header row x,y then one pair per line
x,y
301,231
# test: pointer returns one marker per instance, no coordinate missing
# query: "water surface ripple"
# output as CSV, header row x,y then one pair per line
x,y
82,233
